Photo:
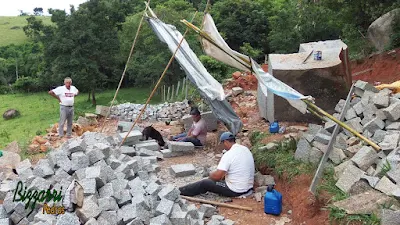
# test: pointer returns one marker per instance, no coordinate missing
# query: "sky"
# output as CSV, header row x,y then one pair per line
x,y
12,7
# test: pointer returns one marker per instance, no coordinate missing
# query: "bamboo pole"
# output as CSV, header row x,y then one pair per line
x,y
126,65
158,83
177,88
183,85
216,203
172,93
345,126
168,94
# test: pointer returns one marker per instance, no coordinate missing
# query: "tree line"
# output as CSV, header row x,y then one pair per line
x,y
91,43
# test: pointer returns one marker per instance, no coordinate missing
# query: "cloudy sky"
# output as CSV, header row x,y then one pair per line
x,y
12,7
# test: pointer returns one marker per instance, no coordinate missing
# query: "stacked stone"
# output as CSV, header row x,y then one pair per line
x,y
120,186
162,112
375,114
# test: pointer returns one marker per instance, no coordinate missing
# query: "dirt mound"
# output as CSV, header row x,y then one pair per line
x,y
247,81
384,68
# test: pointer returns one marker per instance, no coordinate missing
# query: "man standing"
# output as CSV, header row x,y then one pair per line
x,y
236,165
197,133
65,95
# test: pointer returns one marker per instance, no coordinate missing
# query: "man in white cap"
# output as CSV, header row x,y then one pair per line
x,y
236,165
65,96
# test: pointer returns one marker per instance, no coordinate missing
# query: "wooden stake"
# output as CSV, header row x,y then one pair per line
x,y
168,94
216,203
172,93
177,88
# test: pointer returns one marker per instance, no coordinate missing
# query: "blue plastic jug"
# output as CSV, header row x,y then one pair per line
x,y
274,127
272,201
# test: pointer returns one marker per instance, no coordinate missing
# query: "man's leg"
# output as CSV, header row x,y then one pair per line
x,y
195,141
63,117
70,119
178,136
205,185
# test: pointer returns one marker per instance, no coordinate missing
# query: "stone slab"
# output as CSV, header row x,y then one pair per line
x,y
182,170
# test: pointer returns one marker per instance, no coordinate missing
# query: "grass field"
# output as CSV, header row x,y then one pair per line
x,y
40,110
11,29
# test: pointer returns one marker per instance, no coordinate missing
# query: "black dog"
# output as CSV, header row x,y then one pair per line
x,y
154,134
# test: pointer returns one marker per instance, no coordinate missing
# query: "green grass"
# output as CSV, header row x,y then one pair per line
x,y
39,111
11,29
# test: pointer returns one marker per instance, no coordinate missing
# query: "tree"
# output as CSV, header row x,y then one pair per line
x,y
38,11
22,13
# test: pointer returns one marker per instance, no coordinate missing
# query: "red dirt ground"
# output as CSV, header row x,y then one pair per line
x,y
385,68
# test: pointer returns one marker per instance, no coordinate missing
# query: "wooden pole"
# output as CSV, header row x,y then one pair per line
x,y
183,85
187,82
345,126
172,93
168,93
126,66
177,89
216,203
158,83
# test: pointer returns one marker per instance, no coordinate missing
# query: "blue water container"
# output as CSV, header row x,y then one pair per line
x,y
272,202
274,127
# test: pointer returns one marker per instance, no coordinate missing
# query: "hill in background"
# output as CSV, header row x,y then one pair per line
x,y
11,29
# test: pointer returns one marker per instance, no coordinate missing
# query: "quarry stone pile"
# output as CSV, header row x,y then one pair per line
x,y
375,114
161,112
119,186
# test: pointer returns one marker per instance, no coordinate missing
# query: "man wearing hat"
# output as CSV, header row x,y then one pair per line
x,y
197,133
236,165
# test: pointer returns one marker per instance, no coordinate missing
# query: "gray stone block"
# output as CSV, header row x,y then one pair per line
x,y
124,126
372,181
127,213
95,155
76,145
24,221
108,204
79,160
40,184
131,151
380,114
68,219
208,210
169,192
160,220
92,221
132,139
136,221
153,188
348,177
60,159
169,154
106,191
365,86
89,186
374,125
175,146
340,105
178,218
182,170
355,124
119,185
16,217
3,213
164,207
5,221
322,138
22,166
358,108
153,146
390,142
109,218
104,148
390,217
211,121
381,99
393,126
394,174
392,112
98,174
365,157
80,174
350,114
123,197
90,209
379,135
370,110
386,186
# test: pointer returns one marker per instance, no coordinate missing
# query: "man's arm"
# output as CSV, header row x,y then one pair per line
x,y
217,175
54,95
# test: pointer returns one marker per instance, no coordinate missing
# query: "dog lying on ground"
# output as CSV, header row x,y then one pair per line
x,y
154,134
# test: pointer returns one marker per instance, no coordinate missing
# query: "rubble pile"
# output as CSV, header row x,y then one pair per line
x,y
161,112
375,114
120,186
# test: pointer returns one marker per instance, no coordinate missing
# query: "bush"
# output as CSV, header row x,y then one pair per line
x,y
395,37
218,70
5,89
27,84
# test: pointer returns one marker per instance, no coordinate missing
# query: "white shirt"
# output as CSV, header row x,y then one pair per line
x,y
238,163
66,96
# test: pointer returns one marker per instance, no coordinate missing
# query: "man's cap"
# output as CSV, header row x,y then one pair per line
x,y
226,136
195,112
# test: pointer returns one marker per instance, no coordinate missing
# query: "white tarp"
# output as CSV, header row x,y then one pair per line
x,y
187,58
209,88
225,54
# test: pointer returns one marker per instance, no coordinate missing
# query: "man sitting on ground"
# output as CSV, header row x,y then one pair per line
x,y
236,165
197,133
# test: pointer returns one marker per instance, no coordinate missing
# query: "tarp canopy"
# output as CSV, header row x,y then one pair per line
x,y
215,46
210,89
